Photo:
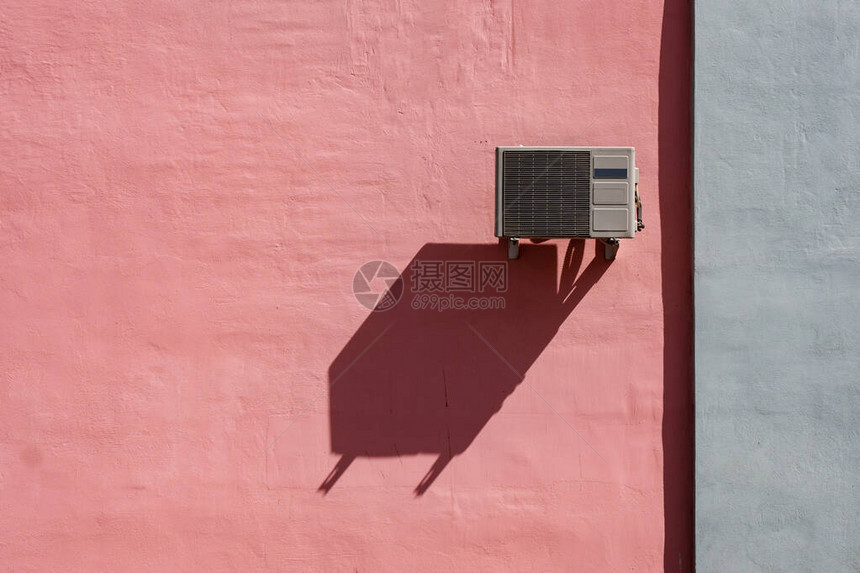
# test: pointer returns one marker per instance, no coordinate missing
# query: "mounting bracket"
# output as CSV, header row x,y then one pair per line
x,y
610,248
513,247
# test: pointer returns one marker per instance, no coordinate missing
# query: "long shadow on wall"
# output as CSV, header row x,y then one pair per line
x,y
675,216
419,380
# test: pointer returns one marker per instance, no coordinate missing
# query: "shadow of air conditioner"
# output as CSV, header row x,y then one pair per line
x,y
413,381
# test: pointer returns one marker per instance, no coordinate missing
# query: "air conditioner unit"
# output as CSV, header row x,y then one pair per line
x,y
566,192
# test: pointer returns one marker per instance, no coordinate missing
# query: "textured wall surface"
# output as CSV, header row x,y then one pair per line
x,y
186,379
777,271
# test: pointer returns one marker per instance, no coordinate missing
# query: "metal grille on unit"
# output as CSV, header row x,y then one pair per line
x,y
546,193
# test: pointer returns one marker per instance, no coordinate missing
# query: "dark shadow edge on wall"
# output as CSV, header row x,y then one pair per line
x,y
675,176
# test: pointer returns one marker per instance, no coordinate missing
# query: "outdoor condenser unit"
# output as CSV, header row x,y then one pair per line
x,y
567,192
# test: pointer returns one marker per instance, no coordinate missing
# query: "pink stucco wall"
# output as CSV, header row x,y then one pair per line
x,y
186,191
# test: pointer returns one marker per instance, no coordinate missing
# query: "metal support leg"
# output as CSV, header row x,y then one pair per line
x,y
513,248
610,248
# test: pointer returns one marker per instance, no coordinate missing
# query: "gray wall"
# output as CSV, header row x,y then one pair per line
x,y
777,283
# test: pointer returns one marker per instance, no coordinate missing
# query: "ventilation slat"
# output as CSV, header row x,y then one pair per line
x,y
546,193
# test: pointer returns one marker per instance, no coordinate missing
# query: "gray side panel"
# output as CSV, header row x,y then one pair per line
x,y
777,276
